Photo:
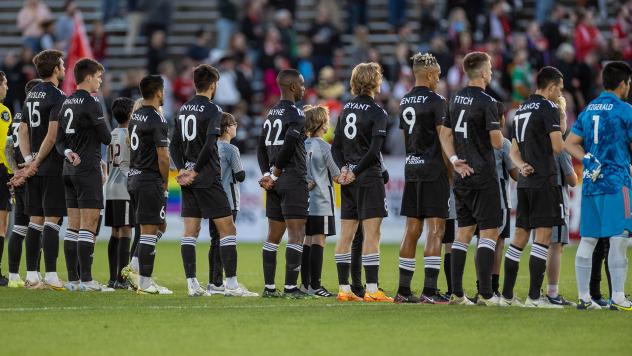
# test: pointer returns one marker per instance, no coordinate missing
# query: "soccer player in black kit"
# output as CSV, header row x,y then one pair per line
x,y
282,160
148,177
471,133
82,130
45,200
426,192
194,152
536,138
359,136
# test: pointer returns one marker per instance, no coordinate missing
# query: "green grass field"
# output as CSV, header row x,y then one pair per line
x,y
47,322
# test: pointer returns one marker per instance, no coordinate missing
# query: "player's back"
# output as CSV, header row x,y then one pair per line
x,y
79,116
421,111
283,116
118,165
230,164
472,114
147,131
41,106
606,128
361,119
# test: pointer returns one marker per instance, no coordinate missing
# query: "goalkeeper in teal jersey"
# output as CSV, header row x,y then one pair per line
x,y
601,138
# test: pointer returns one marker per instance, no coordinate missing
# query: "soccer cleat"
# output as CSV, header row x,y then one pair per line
x,y
444,298
111,283
198,292
94,286
601,302
4,281
56,285
358,290
320,292
16,283
589,305
72,286
213,289
121,285
487,302
464,300
240,291
154,288
560,300
131,276
347,297
38,284
432,299
378,296
405,299
271,293
303,289
541,302
513,302
625,306
297,294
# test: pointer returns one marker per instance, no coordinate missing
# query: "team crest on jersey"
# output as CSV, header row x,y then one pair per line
x,y
5,116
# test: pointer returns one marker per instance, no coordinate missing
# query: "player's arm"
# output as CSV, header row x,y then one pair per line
x,y
47,144
566,164
235,163
524,168
176,149
496,138
163,164
102,128
161,141
8,154
447,144
509,166
331,165
24,141
574,145
492,124
262,155
336,146
291,140
373,155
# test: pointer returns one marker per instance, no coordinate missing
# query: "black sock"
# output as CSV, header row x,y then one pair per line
x,y
432,265
606,253
216,270
228,253
85,247
134,250
187,249
371,263
512,264
14,248
269,255
146,254
495,283
537,267
447,270
343,265
71,254
112,256
33,245
122,256
356,260
50,246
315,265
595,273
406,271
305,273
485,256
293,254
459,255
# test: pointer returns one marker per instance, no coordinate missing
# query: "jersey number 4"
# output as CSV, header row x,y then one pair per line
x,y
461,126
268,127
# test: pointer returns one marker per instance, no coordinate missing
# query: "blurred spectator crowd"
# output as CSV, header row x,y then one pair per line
x,y
253,39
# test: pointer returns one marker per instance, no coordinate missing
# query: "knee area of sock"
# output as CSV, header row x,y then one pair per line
x,y
586,248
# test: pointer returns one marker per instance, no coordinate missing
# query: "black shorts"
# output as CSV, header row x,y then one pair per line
x,y
479,207
426,199
84,192
45,196
363,200
118,213
5,195
149,204
448,235
540,207
207,203
20,218
504,229
287,203
320,225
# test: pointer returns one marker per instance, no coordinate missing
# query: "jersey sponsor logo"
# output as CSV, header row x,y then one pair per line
x,y
189,165
5,116
414,100
463,100
414,160
600,107
134,172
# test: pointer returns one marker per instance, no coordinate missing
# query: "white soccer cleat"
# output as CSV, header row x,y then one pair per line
x,y
154,288
72,286
198,292
491,302
514,302
94,286
464,300
240,291
540,303
212,289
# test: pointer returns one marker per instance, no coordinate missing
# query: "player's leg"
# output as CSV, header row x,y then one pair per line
x,y
407,262
216,271
54,206
618,268
33,239
112,256
293,254
357,287
500,250
485,259
276,229
316,263
600,253
119,217
305,257
85,247
16,239
559,238
71,240
122,254
432,260
448,239
583,268
4,216
537,263
371,259
512,263
464,233
187,250
348,228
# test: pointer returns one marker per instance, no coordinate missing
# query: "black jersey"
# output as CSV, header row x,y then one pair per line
x,y
13,132
285,118
42,106
360,120
534,120
420,112
197,119
82,129
147,131
472,114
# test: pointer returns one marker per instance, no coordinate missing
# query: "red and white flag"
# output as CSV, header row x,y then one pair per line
x,y
78,48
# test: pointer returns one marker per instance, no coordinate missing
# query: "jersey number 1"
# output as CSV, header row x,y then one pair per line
x,y
595,129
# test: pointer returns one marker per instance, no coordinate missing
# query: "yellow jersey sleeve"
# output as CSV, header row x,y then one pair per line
x,y
5,124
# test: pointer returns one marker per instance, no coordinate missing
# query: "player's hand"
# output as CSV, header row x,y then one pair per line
x,y
350,178
343,175
30,170
277,172
186,178
266,182
592,167
526,170
462,168
311,184
73,158
17,181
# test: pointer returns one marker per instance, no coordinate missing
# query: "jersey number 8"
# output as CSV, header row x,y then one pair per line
x,y
350,128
